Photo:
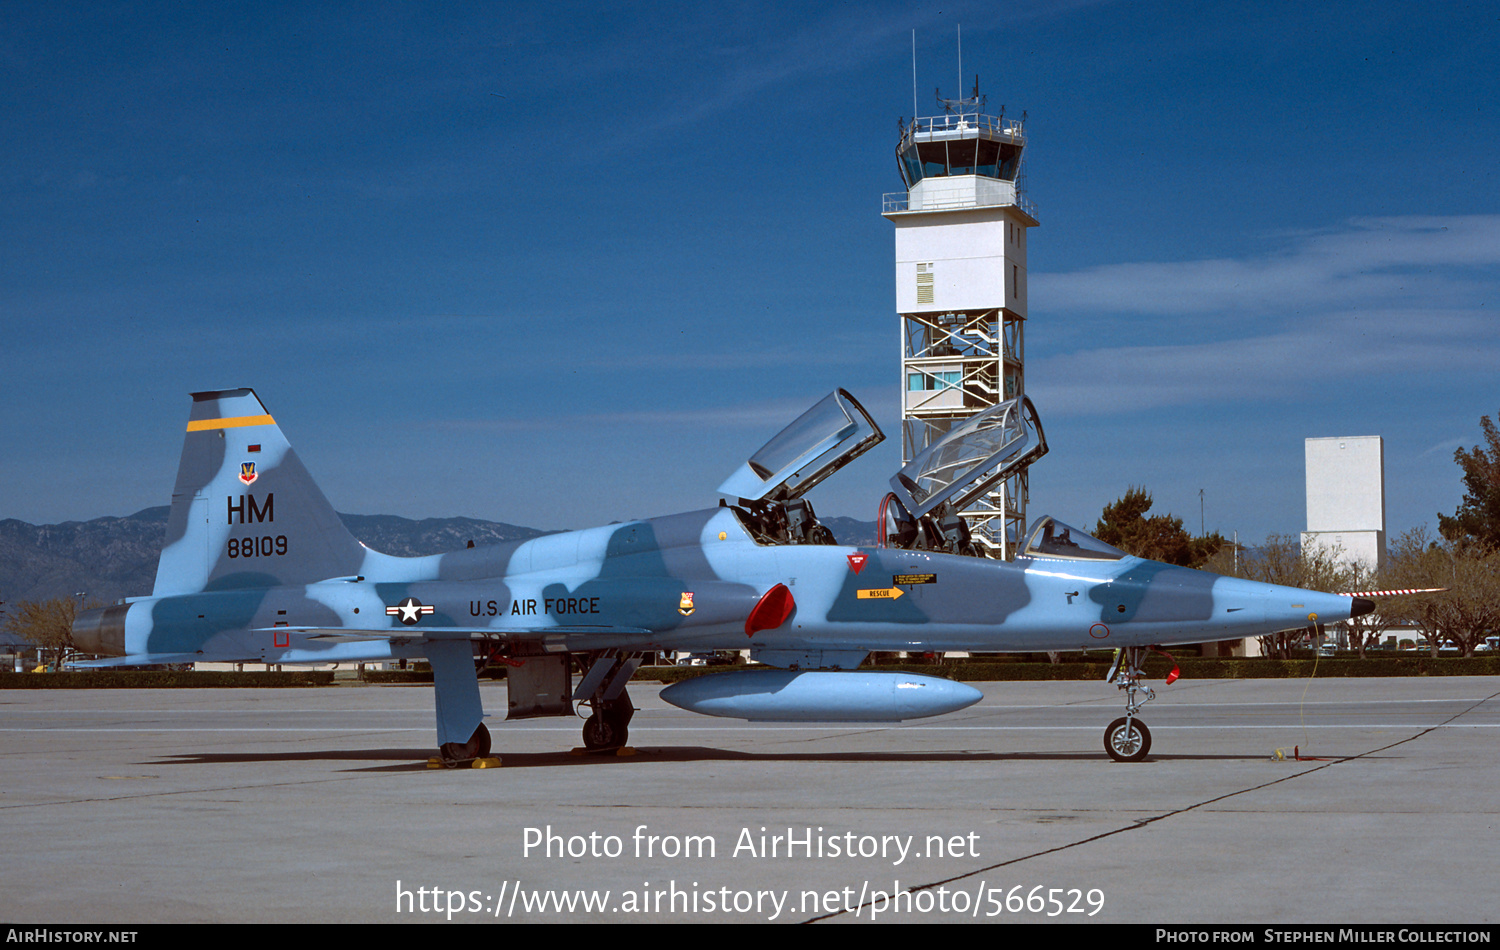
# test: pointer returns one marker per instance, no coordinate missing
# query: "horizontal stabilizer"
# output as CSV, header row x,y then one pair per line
x,y
154,659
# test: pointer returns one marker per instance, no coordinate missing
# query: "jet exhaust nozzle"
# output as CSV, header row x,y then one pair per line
x,y
101,631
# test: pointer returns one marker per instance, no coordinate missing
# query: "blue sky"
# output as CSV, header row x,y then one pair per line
x,y
564,264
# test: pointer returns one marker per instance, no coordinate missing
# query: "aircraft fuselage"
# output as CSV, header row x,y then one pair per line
x,y
623,587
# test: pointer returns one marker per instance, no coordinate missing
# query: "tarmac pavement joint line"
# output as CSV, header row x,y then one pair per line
x,y
1143,822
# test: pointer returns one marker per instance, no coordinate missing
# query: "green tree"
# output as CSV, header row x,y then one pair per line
x,y
1158,538
48,624
1477,520
1365,631
1467,610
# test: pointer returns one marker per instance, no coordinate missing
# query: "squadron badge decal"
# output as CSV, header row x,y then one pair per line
x,y
247,473
685,605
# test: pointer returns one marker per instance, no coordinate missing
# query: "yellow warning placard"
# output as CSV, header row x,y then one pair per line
x,y
880,593
906,580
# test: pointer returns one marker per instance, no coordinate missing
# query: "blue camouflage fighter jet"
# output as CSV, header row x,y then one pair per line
x,y
257,567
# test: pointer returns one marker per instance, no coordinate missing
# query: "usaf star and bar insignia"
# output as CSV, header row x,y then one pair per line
x,y
409,611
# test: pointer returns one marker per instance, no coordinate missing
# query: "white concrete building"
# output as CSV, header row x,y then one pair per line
x,y
1346,498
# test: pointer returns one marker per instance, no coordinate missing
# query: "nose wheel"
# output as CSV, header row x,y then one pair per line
x,y
1127,740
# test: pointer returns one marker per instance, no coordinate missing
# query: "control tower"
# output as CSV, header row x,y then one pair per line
x,y
961,287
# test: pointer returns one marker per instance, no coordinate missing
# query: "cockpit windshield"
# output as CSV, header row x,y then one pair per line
x,y
823,439
1051,538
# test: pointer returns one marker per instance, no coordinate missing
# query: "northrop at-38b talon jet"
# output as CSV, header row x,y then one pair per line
x,y
258,567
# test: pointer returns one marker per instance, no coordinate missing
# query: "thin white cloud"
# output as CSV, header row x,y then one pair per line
x,y
1402,300
1393,347
766,415
1431,259
838,42
1443,449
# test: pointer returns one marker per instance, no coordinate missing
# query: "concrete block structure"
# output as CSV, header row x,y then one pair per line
x,y
1346,498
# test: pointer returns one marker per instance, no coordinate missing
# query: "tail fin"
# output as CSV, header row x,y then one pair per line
x,y
245,513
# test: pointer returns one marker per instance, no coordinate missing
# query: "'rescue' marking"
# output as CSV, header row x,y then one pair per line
x,y
880,593
231,422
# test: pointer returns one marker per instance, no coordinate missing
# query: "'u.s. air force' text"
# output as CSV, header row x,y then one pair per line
x,y
527,607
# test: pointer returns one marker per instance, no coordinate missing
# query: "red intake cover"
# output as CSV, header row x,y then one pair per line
x,y
774,607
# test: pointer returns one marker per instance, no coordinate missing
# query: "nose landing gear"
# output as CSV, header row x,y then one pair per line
x,y
1127,739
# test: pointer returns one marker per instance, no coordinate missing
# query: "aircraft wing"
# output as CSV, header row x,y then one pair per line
x,y
603,631
594,636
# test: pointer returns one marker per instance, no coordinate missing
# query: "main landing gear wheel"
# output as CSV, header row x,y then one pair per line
x,y
608,702
609,727
600,732
1127,740
455,754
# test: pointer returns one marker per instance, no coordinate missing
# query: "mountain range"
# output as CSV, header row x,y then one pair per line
x,y
109,558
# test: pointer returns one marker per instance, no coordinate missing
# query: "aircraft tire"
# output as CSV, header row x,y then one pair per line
x,y
479,742
455,754
1127,745
604,732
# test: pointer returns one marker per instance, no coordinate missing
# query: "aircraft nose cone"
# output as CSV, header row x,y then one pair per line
x,y
1361,607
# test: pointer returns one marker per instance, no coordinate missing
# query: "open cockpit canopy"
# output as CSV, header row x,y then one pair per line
x,y
971,458
821,441
771,484
926,510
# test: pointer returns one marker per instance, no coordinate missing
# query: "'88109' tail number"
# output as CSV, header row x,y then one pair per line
x,y
263,546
